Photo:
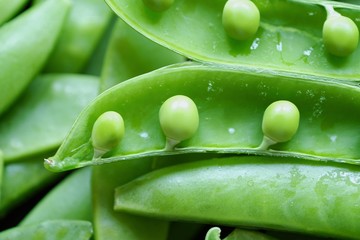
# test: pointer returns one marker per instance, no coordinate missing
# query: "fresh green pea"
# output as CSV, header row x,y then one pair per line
x,y
179,119
289,39
280,122
340,35
25,45
257,192
241,19
158,5
41,118
107,132
51,230
230,119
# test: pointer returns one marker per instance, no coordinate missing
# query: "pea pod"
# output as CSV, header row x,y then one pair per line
x,y
9,9
44,114
51,230
130,54
266,192
231,104
83,28
25,47
236,234
68,200
22,180
289,37
112,225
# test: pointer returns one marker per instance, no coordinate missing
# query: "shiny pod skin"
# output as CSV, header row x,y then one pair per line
x,y
266,192
231,104
289,37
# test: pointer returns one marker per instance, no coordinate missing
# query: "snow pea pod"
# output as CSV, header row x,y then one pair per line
x,y
9,9
51,230
22,180
266,192
68,200
83,28
289,37
130,54
25,46
41,118
113,225
229,117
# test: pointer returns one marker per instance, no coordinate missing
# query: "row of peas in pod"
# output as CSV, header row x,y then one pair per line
x,y
179,120
241,20
313,37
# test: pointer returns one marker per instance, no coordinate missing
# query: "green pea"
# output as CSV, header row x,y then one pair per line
x,y
107,132
340,35
158,5
280,122
179,119
241,19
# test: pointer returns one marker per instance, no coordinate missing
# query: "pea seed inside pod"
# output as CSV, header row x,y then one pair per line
x,y
241,19
280,123
179,119
158,5
107,132
340,35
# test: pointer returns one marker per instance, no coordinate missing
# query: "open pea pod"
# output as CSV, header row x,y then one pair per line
x,y
264,192
51,230
130,54
41,118
83,28
231,104
289,37
25,46
8,9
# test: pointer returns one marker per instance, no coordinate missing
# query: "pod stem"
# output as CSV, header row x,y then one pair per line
x,y
331,11
170,144
266,143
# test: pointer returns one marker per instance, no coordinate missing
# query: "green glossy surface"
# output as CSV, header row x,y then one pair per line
x,y
42,116
130,54
9,9
289,37
236,234
23,180
25,46
107,132
50,230
241,19
340,35
230,119
82,31
68,200
280,121
109,224
267,192
158,5
179,118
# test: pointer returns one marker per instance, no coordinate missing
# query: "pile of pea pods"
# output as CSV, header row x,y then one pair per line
x,y
179,119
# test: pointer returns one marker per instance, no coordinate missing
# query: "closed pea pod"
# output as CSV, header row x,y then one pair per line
x,y
158,5
263,192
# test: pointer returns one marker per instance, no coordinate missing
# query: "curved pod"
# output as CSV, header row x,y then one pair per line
x,y
276,193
